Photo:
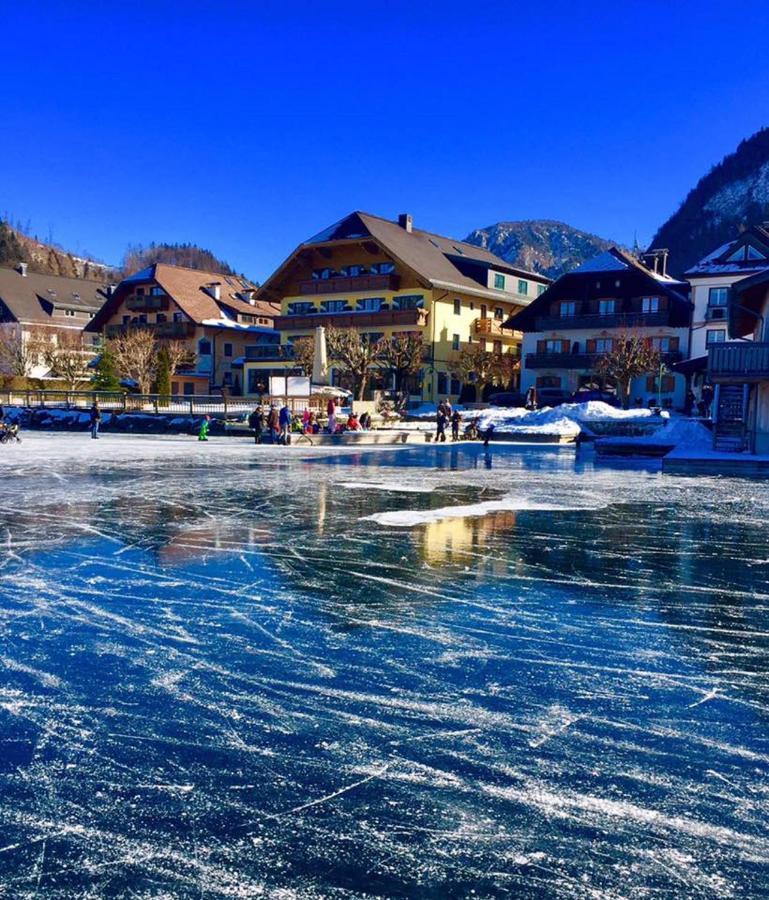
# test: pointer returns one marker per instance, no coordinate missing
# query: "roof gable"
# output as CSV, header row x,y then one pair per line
x,y
33,297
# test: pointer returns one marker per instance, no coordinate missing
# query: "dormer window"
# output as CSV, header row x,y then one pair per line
x,y
499,281
745,252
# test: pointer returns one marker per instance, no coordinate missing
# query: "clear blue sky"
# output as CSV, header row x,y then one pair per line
x,y
247,127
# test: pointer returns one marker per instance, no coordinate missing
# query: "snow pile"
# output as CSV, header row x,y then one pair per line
x,y
565,419
688,434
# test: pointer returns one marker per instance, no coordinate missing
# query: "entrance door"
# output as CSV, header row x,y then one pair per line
x,y
731,432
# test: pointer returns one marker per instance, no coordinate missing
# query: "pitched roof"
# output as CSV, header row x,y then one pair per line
x,y
611,260
187,287
441,261
717,262
32,297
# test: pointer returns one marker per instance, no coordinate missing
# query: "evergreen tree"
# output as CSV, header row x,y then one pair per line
x,y
163,382
105,377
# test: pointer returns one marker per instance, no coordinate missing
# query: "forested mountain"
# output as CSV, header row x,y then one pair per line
x,y
540,245
189,255
16,247
732,196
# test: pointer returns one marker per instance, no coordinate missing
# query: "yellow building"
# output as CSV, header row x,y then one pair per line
x,y
383,278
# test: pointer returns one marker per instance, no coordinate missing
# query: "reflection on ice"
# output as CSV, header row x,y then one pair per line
x,y
222,677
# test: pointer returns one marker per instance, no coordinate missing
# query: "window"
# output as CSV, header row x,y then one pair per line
x,y
551,381
523,287
718,296
139,292
354,271
383,268
650,304
752,253
715,336
369,304
178,317
189,388
442,383
204,347
499,281
499,313
228,379
409,301
568,309
541,288
143,319
606,307
174,387
484,311
662,344
126,320
457,306
301,308
665,385
497,346
334,306
160,318
455,342
604,345
227,349
456,386
553,346
157,292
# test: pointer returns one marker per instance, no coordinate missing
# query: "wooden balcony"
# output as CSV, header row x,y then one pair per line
x,y
146,303
630,319
349,285
739,361
578,360
270,352
383,318
162,330
491,327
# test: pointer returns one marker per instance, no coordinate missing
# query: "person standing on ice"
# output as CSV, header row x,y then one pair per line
x,y
456,420
95,419
204,426
531,398
256,421
284,420
440,434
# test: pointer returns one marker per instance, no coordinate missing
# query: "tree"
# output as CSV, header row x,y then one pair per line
x,y
303,355
20,353
105,376
136,357
163,376
474,365
631,356
179,356
402,356
353,356
68,358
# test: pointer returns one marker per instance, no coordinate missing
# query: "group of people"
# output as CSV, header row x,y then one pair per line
x,y
279,424
445,416
702,405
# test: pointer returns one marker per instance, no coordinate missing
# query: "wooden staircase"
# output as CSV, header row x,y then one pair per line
x,y
731,433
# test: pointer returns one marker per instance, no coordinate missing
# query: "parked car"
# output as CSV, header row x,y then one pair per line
x,y
551,397
506,398
604,396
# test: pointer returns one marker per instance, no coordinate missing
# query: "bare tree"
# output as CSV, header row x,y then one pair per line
x,y
136,357
402,355
631,356
19,352
353,356
474,365
67,357
303,355
179,355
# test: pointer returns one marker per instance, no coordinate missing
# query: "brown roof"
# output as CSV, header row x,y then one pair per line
x,y
440,261
31,298
187,287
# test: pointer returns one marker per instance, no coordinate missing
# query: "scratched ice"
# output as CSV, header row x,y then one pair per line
x,y
417,673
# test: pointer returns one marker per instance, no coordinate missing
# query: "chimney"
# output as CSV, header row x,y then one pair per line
x,y
214,289
656,260
248,296
111,288
22,267
406,221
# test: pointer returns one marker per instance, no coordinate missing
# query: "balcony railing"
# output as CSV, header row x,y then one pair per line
x,y
578,360
352,319
146,303
350,284
739,359
161,329
635,319
492,327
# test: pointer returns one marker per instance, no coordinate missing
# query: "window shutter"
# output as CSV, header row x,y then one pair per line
x,y
565,345
590,346
663,303
541,346
674,343
651,383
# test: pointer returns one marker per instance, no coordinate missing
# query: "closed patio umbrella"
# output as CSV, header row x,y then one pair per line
x,y
320,362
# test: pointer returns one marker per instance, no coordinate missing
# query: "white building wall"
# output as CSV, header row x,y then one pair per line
x,y
704,319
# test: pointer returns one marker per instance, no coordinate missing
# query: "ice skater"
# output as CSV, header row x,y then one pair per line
x,y
95,420
204,426
256,421
440,423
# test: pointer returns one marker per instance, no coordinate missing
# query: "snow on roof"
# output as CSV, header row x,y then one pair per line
x,y
239,326
604,262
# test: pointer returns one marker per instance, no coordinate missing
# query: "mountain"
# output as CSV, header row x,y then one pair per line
x,y
732,196
539,245
16,247
189,255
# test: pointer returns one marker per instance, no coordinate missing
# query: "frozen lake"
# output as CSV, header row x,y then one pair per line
x,y
433,672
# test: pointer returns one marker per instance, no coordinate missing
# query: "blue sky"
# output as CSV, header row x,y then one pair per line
x,y
247,127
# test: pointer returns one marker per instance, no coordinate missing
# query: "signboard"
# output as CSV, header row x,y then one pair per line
x,y
277,385
297,386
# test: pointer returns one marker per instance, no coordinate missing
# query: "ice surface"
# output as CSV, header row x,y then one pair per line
x,y
220,678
